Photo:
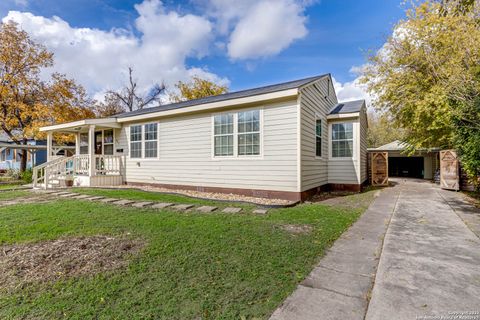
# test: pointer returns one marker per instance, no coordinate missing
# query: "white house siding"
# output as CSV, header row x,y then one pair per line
x,y
316,100
363,146
185,154
342,170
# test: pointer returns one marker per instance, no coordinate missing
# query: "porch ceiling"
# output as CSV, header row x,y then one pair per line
x,y
83,125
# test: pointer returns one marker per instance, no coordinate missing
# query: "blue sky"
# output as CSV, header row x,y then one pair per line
x,y
323,36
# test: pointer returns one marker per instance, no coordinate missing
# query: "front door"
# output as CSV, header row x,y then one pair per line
x,y
98,142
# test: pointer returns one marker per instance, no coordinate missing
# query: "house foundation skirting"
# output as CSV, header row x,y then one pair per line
x,y
272,194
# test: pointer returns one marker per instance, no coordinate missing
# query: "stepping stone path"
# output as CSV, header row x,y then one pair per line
x,y
162,205
207,209
231,210
123,202
260,211
68,195
141,204
182,207
94,198
107,200
82,196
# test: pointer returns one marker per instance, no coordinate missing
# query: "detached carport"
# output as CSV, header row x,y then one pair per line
x,y
423,164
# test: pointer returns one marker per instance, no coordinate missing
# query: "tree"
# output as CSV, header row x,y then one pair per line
x,y
426,77
128,98
195,89
381,131
26,101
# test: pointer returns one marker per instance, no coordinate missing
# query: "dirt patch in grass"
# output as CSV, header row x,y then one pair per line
x,y
296,228
347,200
67,257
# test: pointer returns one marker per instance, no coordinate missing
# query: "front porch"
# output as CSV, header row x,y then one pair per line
x,y
95,162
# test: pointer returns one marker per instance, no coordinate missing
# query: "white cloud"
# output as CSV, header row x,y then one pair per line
x,y
352,90
99,59
259,28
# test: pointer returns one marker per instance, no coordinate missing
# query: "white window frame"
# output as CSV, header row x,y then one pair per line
x,y
235,155
142,141
330,142
224,134
318,117
112,143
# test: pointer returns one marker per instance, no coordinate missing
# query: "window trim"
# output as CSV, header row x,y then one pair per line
x,y
142,141
318,117
330,141
235,155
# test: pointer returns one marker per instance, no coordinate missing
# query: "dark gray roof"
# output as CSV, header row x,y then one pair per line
x,y
348,107
226,96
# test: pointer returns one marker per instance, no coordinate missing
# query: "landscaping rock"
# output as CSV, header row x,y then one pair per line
x,y
260,211
123,202
141,204
161,205
207,209
232,210
182,207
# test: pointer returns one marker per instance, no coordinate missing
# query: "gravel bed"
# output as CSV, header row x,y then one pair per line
x,y
214,196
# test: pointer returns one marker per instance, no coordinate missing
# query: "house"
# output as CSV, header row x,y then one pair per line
x,y
422,164
11,153
286,141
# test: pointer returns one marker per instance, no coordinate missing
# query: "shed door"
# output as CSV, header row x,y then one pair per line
x,y
449,173
379,167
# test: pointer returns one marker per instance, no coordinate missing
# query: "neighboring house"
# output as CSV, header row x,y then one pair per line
x,y
11,153
282,141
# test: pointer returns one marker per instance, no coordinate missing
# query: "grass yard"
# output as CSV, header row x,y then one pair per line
x,y
4,186
8,195
191,265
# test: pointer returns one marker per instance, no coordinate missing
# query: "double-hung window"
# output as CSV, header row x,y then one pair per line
x,y
108,142
236,134
151,140
223,135
342,140
249,133
318,137
136,141
83,143
144,141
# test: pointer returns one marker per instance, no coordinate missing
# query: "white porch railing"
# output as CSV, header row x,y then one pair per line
x,y
79,165
108,165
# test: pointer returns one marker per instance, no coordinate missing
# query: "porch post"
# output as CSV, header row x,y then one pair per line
x,y
49,145
77,144
91,151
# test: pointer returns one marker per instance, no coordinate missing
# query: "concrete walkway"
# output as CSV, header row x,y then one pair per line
x,y
429,261
338,288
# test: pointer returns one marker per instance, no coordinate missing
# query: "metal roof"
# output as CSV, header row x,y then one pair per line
x,y
225,96
348,107
396,145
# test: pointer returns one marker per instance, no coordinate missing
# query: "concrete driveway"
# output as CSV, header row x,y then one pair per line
x,y
410,256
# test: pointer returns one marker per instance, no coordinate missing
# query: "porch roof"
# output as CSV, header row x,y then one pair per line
x,y
83,125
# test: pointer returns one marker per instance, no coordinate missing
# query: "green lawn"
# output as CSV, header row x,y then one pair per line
x,y
4,186
194,266
7,195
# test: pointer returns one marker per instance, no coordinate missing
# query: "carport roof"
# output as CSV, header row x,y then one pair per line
x,y
398,145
